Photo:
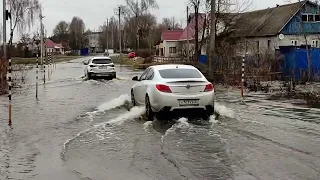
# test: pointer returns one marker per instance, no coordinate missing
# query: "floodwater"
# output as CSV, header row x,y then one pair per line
x,y
82,129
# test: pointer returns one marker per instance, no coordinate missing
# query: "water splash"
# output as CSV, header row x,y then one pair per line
x,y
147,125
119,101
223,110
135,112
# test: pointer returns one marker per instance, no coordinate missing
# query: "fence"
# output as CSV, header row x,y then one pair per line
x,y
296,62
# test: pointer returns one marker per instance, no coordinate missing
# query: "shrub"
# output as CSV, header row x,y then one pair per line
x,y
144,53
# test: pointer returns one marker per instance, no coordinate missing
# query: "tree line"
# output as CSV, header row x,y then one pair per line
x,y
139,28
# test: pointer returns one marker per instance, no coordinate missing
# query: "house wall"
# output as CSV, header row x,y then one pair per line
x,y
50,50
297,26
264,45
166,47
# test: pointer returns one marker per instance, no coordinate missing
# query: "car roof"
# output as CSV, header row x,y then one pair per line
x,y
101,57
172,66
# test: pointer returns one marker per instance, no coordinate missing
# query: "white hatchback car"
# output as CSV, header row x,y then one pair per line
x,y
174,87
100,67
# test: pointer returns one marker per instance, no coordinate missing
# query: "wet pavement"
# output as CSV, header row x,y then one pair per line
x,y
81,129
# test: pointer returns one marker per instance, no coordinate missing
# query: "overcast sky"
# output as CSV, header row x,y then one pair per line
x,y
95,12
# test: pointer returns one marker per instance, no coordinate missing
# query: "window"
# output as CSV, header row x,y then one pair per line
x,y
144,74
304,18
310,18
172,50
294,42
101,61
150,75
179,73
315,43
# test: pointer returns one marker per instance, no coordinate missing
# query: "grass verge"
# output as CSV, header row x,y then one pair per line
x,y
124,60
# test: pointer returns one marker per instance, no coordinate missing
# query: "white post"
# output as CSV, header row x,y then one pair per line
x,y
187,35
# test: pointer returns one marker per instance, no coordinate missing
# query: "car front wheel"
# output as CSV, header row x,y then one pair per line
x,y
89,76
149,112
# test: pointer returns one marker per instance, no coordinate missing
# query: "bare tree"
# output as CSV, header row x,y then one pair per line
x,y
171,23
23,14
196,6
137,8
61,32
76,29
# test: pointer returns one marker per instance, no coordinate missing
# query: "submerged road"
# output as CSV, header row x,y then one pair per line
x,y
83,129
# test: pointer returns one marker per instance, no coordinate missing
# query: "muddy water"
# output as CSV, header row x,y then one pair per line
x,y
88,130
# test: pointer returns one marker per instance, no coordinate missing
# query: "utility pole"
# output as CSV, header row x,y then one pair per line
x,y
4,24
108,35
112,36
41,37
212,37
5,15
188,50
120,50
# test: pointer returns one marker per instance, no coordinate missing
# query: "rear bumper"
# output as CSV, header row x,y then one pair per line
x,y
103,74
170,102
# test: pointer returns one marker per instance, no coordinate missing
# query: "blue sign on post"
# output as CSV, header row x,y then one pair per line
x,y
203,59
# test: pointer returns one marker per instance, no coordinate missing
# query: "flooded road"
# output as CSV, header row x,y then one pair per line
x,y
88,130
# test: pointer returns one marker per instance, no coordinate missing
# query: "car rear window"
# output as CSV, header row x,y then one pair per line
x,y
179,73
102,61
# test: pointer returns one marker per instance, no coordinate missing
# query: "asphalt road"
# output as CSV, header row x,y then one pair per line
x,y
81,129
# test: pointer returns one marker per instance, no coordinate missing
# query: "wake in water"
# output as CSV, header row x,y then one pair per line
x,y
221,110
117,102
132,114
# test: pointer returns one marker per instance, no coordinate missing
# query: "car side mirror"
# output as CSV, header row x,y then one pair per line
x,y
135,78
85,62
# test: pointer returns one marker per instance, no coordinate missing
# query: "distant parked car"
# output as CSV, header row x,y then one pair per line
x,y
131,55
100,67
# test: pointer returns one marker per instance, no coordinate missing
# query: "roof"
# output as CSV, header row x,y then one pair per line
x,y
189,31
171,66
50,44
266,22
171,35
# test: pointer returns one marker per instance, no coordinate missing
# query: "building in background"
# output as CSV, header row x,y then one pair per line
x,y
93,42
54,48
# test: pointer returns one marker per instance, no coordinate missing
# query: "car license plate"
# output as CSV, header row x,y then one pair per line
x,y
193,102
103,67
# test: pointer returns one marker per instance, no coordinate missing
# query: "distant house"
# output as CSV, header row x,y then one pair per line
x,y
260,31
173,41
265,31
169,43
93,42
52,47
